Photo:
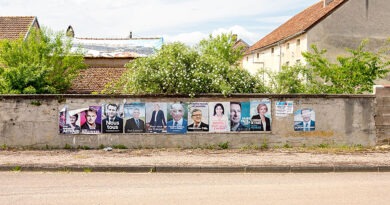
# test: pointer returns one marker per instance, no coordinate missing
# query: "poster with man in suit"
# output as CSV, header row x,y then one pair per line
x,y
112,120
135,117
304,120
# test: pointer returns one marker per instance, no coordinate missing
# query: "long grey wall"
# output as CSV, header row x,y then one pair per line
x,y
32,121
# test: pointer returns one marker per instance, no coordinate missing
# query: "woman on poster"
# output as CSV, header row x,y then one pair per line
x,y
219,121
260,122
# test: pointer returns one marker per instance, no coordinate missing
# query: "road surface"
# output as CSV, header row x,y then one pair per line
x,y
152,188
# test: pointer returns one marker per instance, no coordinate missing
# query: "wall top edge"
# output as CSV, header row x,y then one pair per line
x,y
210,95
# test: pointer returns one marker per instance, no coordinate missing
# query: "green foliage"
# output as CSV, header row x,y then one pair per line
x,y
287,146
68,146
223,145
17,169
41,63
353,74
87,170
36,102
210,67
119,146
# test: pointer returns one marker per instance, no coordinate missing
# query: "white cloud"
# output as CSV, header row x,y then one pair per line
x,y
107,18
193,38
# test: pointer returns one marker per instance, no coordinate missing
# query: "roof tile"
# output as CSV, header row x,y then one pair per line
x,y
298,23
11,27
94,79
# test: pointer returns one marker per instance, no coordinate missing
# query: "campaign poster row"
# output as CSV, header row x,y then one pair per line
x,y
178,117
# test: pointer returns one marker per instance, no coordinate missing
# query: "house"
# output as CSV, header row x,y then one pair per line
x,y
106,59
333,25
12,27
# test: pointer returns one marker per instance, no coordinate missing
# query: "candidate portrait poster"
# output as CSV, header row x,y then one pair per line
x,y
70,120
219,116
260,115
304,120
91,119
198,117
156,117
240,118
112,117
177,118
135,117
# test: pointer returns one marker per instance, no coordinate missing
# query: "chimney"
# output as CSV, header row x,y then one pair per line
x,y
327,2
69,31
131,34
234,37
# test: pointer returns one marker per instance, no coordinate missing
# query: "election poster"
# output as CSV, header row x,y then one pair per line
x,y
218,115
261,115
177,118
91,119
135,117
240,116
304,120
112,118
283,109
198,117
156,117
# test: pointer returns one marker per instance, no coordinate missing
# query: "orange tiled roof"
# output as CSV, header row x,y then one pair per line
x,y
298,24
94,79
11,27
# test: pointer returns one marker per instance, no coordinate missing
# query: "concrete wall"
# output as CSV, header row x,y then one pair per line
x,y
382,116
32,121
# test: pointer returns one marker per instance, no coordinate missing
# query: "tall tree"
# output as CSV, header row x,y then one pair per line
x,y
41,63
352,74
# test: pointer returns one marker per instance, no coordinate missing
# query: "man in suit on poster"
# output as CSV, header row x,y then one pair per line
x,y
135,124
112,123
178,124
307,124
198,125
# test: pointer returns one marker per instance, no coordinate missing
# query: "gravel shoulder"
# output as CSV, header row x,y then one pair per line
x,y
192,157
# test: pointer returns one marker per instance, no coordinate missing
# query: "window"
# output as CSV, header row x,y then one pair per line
x,y
272,50
298,61
298,42
287,63
257,55
288,46
247,58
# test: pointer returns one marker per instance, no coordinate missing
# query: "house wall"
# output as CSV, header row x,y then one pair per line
x,y
106,62
350,24
291,53
32,121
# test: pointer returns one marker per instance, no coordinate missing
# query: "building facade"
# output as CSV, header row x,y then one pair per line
x,y
333,25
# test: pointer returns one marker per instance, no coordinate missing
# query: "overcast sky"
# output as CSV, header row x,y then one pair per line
x,y
175,20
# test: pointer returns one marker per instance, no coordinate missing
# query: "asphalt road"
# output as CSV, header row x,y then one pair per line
x,y
152,188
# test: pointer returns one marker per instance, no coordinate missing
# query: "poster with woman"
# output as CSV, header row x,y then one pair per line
x,y
261,115
134,117
198,117
218,115
156,117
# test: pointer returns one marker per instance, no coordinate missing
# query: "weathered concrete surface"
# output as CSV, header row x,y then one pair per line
x,y
382,117
32,121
